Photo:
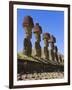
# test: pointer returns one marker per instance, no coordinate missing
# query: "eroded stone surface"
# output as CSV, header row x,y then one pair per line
x,y
40,76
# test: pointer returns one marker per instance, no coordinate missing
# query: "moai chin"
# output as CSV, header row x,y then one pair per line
x,y
28,25
46,37
37,33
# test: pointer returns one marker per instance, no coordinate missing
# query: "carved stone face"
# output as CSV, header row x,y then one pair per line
x,y
28,29
52,39
28,32
52,45
37,37
28,25
45,42
28,22
37,32
28,35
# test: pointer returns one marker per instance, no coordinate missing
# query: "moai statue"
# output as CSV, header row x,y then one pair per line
x,y
37,32
52,41
56,53
60,58
28,25
63,60
46,37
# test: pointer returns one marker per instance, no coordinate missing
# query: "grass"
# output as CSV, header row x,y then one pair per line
x,y
22,56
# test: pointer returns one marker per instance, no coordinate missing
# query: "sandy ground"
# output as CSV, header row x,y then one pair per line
x,y
40,76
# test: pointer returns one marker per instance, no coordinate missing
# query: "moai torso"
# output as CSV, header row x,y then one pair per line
x,y
28,25
37,32
61,59
27,47
46,37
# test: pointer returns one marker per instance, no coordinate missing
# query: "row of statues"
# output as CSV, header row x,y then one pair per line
x,y
48,39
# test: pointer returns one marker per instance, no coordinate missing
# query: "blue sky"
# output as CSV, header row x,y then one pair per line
x,y
50,21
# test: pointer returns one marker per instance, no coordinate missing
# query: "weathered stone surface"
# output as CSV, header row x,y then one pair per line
x,y
37,33
46,53
28,25
46,37
56,53
28,22
41,76
27,47
39,63
38,49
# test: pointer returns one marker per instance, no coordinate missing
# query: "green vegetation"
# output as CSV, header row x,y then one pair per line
x,y
21,56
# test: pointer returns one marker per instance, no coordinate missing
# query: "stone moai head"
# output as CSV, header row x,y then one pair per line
x,y
37,32
46,37
28,25
52,41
